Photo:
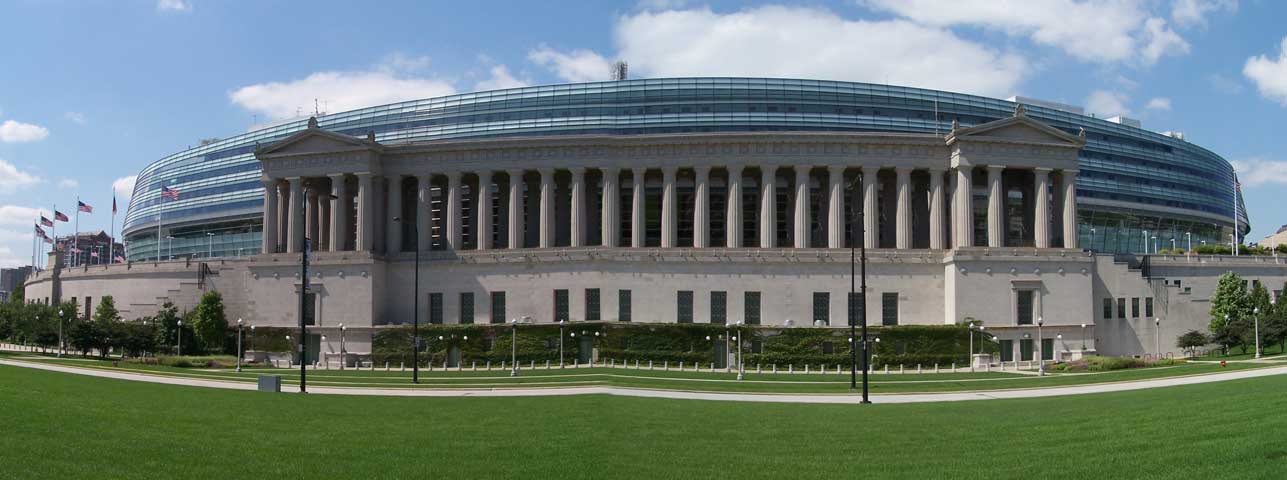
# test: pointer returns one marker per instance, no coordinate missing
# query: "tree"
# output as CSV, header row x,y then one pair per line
x,y
167,324
107,323
210,325
1232,334
1230,302
1192,340
18,295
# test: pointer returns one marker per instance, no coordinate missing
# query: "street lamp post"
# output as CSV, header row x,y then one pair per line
x,y
561,322
1092,238
1041,351
342,350
239,354
169,247
1083,338
741,369
1154,244
179,334
209,244
415,306
1256,317
62,344
1157,336
1145,242
861,260
513,347
1188,239
252,338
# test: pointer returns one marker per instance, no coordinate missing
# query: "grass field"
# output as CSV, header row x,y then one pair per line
x,y
71,426
830,383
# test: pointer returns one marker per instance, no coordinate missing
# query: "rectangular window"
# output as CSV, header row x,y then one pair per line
x,y
623,305
821,308
684,302
889,308
1023,307
1108,308
466,308
1148,307
719,307
1007,350
1025,349
1121,308
757,347
828,347
751,307
498,307
592,304
89,301
1135,307
435,307
857,308
1047,349
560,305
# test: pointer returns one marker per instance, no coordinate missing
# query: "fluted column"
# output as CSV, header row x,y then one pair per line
x,y
768,214
546,236
936,240
963,224
1069,183
483,211
283,215
323,222
515,208
1041,187
802,222
454,220
270,216
733,225
903,220
294,223
340,210
577,218
366,214
637,207
702,208
669,217
835,207
310,215
996,199
609,215
393,240
869,218
424,214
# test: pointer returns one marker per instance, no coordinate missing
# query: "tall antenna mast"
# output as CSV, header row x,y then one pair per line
x,y
619,70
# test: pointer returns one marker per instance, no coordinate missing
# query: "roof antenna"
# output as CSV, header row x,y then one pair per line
x,y
315,110
619,70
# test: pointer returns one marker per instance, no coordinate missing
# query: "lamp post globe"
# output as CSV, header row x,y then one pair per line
x,y
342,350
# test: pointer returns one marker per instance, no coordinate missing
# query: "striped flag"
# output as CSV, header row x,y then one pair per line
x,y
49,240
84,207
119,259
39,232
46,222
113,204
59,216
93,253
170,193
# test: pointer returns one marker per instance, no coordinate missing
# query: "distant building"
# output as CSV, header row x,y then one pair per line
x,y
94,248
1278,238
10,279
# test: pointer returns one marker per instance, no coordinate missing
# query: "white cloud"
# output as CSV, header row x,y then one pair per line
x,y
12,131
500,78
1159,104
1223,84
75,117
173,6
124,187
1107,104
778,41
9,260
1269,74
14,215
391,81
1257,171
1103,31
661,4
1193,13
11,178
68,183
579,65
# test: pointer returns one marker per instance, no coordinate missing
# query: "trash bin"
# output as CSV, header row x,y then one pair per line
x,y
270,383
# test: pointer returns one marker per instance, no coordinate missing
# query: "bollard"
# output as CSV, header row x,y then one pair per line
x,y
665,365
886,369
489,366
474,365
918,368
502,365
775,368
900,369
935,368
712,367
791,369
953,367
547,364
806,369
757,368
681,365
987,367
650,364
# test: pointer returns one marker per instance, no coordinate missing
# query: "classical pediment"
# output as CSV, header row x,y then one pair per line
x,y
1016,129
316,140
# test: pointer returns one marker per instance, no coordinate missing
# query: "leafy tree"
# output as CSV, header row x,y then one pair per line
x,y
210,325
18,295
1229,303
166,324
107,325
1192,340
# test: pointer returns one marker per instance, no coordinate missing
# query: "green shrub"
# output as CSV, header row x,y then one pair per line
x,y
1105,364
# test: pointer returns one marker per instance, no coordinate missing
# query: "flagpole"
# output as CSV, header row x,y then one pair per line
x,y
160,216
76,233
111,234
54,229
1236,189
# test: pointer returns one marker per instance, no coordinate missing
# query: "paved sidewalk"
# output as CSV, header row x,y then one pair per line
x,y
636,392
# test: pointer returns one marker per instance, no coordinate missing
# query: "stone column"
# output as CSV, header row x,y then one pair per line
x,y
936,240
394,228
323,222
733,225
637,207
366,214
340,212
294,222
869,218
310,215
424,214
963,224
903,220
802,222
1069,181
768,207
836,207
515,208
609,215
669,219
996,202
455,227
270,216
577,218
483,211
283,214
546,236
1041,218
702,208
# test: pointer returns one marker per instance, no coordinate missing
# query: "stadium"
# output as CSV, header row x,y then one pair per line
x,y
692,200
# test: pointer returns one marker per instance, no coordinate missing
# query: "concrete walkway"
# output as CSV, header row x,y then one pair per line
x,y
671,394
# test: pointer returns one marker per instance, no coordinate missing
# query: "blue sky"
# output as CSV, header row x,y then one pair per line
x,y
92,91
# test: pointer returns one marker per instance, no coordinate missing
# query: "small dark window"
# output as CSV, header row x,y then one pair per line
x,y
1148,307
828,347
857,308
719,307
751,307
822,308
889,308
623,305
466,307
1121,308
1025,349
435,307
498,307
757,347
592,304
1047,349
1007,350
560,305
684,301
1135,307
1108,308
1023,307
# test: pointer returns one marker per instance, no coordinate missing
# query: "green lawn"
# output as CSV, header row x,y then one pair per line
x,y
72,426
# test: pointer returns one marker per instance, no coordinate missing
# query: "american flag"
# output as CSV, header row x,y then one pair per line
x,y
84,207
59,216
75,249
119,259
49,240
93,254
46,222
113,204
39,232
170,193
